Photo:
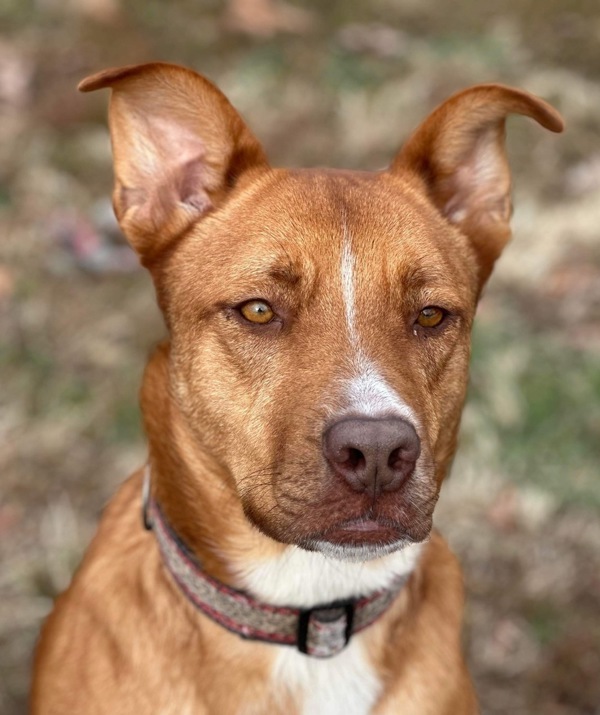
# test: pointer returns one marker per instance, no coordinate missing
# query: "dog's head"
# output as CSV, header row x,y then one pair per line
x,y
319,320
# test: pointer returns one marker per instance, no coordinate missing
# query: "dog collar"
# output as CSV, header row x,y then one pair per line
x,y
321,631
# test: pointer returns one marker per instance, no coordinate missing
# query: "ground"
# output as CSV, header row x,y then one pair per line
x,y
340,84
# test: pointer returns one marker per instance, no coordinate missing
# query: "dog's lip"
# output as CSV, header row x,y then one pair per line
x,y
364,531
362,525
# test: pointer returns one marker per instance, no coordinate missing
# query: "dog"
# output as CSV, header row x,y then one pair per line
x,y
276,552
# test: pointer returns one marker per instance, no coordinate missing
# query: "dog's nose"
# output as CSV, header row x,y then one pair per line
x,y
372,455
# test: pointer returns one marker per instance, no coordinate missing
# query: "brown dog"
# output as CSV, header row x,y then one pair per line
x,y
301,418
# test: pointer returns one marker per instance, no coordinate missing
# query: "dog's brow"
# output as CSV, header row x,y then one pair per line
x,y
284,274
420,276
428,279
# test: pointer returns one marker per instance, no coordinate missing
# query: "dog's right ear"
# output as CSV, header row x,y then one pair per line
x,y
179,146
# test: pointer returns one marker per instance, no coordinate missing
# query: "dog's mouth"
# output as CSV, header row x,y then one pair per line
x,y
365,538
364,531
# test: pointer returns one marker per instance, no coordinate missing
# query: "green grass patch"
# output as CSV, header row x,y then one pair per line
x,y
543,401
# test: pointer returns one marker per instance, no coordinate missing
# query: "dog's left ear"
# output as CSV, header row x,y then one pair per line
x,y
459,154
179,147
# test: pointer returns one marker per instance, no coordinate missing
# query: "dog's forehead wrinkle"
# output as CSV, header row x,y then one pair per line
x,y
337,206
287,273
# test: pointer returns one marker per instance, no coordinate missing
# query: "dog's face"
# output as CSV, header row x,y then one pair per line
x,y
319,320
297,312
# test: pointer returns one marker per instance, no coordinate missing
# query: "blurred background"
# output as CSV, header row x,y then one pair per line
x,y
321,83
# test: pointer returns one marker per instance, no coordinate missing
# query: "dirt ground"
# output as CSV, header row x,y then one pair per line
x,y
337,83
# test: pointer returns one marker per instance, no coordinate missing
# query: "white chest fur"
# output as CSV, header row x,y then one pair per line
x,y
343,685
303,579
346,684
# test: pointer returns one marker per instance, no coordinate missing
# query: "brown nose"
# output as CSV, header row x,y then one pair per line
x,y
372,455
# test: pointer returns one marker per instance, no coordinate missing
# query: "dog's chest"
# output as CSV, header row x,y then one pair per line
x,y
346,684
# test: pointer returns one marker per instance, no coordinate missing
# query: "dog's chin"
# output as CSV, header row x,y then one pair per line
x,y
354,539
356,553
366,539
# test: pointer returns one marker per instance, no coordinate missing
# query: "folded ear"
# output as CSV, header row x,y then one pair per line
x,y
179,146
460,155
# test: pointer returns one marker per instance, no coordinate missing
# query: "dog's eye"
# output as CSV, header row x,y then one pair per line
x,y
431,317
257,311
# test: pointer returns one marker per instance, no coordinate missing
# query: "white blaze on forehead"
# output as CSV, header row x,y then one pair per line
x,y
348,264
368,392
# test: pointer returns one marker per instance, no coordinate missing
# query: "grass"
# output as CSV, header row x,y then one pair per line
x,y
543,400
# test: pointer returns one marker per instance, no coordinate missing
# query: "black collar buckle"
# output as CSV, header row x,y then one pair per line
x,y
324,631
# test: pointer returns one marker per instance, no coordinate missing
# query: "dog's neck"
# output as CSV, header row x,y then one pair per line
x,y
207,515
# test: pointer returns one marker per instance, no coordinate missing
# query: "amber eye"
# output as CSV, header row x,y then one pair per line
x,y
257,311
431,317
